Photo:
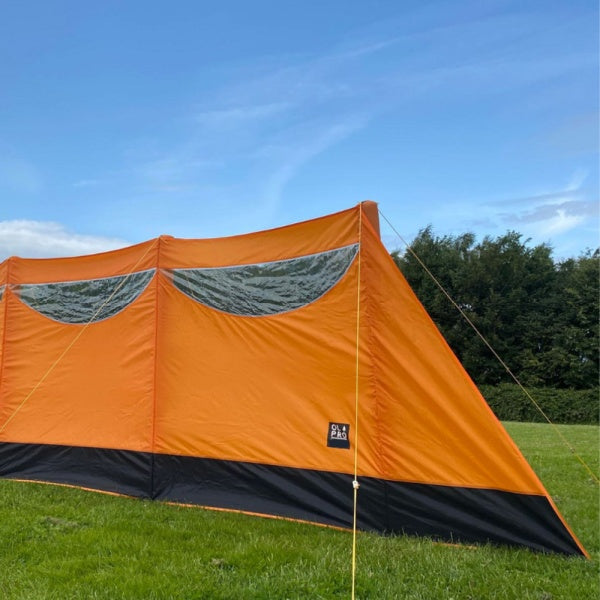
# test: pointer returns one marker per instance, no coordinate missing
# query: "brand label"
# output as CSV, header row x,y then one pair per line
x,y
338,435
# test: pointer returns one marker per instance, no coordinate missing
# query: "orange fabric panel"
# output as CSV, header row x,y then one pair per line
x,y
434,426
99,394
309,237
117,262
2,319
3,305
259,389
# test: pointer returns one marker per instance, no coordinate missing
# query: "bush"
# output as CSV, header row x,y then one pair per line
x,y
561,406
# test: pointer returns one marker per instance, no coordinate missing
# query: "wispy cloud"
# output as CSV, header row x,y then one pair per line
x,y
543,215
554,213
243,142
176,171
546,197
303,153
555,218
239,115
87,183
355,80
43,239
260,132
561,222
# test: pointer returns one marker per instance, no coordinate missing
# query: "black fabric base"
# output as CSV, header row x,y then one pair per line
x,y
119,471
453,514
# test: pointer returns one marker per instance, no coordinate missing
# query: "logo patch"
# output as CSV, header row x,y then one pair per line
x,y
338,435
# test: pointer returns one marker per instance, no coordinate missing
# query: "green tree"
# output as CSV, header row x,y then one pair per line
x,y
573,359
540,317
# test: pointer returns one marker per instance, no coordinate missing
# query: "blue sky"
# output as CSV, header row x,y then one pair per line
x,y
120,121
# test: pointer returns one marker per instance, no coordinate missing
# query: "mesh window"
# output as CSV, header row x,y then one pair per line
x,y
80,302
2,288
267,288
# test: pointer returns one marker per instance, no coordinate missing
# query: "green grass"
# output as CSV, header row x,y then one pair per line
x,y
63,543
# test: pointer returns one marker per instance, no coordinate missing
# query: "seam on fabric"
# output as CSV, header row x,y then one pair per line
x,y
5,318
373,375
374,378
387,504
155,366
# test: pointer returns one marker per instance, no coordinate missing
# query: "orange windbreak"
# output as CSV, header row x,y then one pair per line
x,y
434,426
244,349
172,375
79,385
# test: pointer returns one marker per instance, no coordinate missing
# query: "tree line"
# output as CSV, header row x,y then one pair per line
x,y
540,315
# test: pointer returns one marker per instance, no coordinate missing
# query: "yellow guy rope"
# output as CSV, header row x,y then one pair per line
x,y
74,340
496,355
355,484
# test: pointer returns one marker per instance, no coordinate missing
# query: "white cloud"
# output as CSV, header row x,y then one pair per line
x,y
561,222
554,213
565,216
44,239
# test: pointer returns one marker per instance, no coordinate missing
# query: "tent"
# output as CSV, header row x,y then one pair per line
x,y
261,373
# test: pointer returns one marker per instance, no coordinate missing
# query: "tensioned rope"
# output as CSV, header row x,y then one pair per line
x,y
355,484
493,351
74,340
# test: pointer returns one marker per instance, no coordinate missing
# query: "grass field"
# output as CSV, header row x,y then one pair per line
x,y
64,543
